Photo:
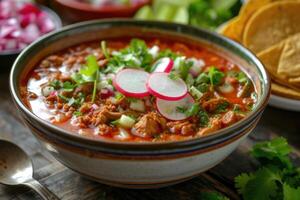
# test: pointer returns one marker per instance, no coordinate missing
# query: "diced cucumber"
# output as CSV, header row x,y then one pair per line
x,y
195,93
145,13
126,121
137,105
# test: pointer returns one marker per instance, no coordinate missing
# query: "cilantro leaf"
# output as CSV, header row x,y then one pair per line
x,y
215,76
168,53
203,117
68,86
262,186
193,110
273,152
290,193
56,84
241,181
135,55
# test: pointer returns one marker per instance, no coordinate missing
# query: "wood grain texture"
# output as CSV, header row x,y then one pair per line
x,y
70,186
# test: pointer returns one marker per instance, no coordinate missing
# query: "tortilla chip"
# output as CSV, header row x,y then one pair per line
x,y
235,29
272,24
285,91
230,31
289,63
294,80
270,58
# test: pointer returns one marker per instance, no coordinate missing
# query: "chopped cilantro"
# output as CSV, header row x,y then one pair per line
x,y
77,113
193,110
173,76
135,55
203,87
203,78
65,99
68,86
119,96
168,53
181,109
215,76
203,117
56,84
222,107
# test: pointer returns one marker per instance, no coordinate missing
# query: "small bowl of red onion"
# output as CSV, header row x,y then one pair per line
x,y
21,23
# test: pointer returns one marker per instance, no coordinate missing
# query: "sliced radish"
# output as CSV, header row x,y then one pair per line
x,y
162,86
163,65
132,82
169,109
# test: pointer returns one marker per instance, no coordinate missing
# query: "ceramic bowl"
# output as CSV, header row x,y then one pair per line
x,y
139,165
76,11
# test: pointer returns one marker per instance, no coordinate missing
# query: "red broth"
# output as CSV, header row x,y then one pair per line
x,y
54,92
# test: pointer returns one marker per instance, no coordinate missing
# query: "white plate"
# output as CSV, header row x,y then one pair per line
x,y
284,103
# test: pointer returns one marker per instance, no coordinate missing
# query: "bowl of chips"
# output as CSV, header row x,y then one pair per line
x,y
270,29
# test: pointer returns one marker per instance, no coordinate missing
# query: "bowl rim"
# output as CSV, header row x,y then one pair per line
x,y
56,19
217,137
102,9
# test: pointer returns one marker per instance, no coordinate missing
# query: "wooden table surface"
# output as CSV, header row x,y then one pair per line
x,y
71,186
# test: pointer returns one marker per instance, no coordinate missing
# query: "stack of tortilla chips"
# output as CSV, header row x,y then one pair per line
x,y
271,29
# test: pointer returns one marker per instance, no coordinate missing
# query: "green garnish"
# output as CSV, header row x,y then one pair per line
x,y
89,74
277,178
181,109
168,53
135,55
173,76
203,117
104,49
65,99
193,110
68,86
119,96
215,76
77,113
222,107
56,84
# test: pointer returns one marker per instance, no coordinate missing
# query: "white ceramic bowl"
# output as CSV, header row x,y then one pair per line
x,y
139,165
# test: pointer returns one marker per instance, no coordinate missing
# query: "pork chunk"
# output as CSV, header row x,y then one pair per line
x,y
149,125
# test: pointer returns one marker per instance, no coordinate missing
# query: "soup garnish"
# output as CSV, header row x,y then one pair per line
x,y
139,90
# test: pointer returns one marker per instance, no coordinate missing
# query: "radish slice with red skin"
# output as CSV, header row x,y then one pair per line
x,y
132,82
169,109
162,86
163,65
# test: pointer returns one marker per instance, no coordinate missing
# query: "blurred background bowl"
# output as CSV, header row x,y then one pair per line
x,y
7,58
76,11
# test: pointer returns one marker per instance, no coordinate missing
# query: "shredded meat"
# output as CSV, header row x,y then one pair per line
x,y
212,104
149,125
104,115
182,127
215,124
230,118
104,129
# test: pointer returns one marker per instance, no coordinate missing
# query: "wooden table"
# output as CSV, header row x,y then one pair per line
x,y
71,186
